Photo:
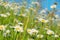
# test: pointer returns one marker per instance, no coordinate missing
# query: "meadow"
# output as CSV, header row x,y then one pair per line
x,y
18,22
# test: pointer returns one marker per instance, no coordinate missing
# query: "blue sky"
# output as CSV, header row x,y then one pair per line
x,y
44,3
48,3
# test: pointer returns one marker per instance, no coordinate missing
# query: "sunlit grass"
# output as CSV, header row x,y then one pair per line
x,y
20,23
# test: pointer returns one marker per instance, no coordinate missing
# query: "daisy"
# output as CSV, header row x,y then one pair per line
x,y
32,31
57,16
50,32
56,36
40,36
53,6
2,27
6,33
3,15
36,3
17,28
43,20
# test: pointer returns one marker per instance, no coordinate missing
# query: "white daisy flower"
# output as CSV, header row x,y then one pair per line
x,y
46,28
32,31
56,36
8,14
43,11
7,31
50,32
40,36
2,27
3,15
53,6
43,20
17,28
19,23
36,3
56,16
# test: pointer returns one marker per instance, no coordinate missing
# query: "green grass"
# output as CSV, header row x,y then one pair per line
x,y
28,17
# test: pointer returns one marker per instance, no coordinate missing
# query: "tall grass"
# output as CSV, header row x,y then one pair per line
x,y
17,22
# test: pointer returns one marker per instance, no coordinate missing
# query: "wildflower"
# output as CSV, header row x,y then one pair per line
x,y
53,6
43,11
12,8
29,31
26,10
6,5
17,28
56,16
2,27
8,14
50,32
6,33
40,36
3,15
32,31
36,3
46,28
56,36
19,23
43,20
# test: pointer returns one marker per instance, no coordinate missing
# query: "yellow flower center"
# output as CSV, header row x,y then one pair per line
x,y
43,20
1,27
29,30
17,28
50,32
